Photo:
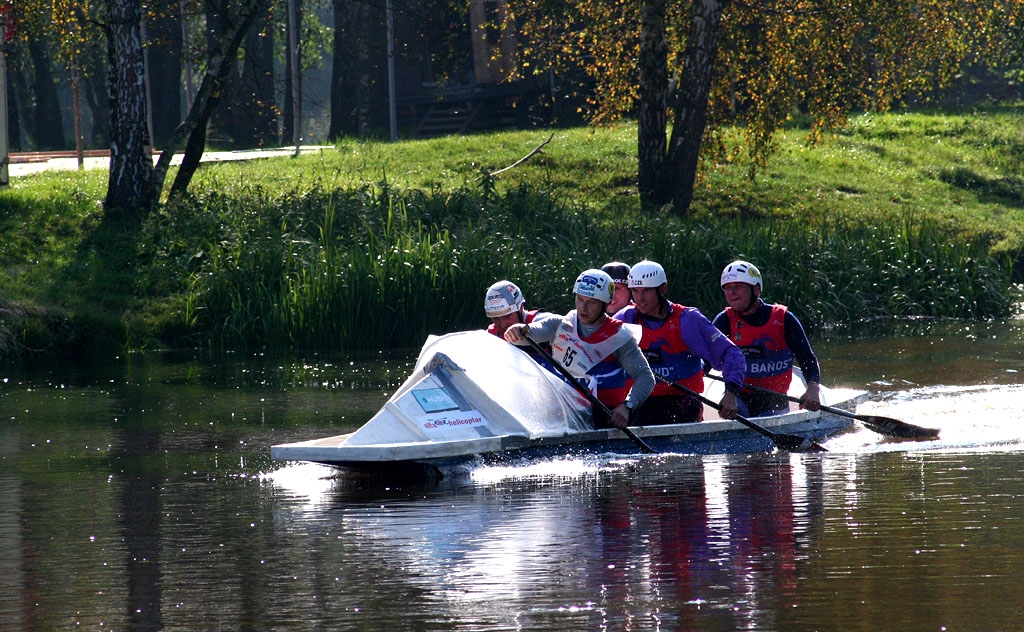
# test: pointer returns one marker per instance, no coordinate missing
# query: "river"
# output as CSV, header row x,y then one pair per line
x,y
139,495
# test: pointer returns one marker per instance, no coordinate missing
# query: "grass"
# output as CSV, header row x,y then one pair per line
x,y
373,245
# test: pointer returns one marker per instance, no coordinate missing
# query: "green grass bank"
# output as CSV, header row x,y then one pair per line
x,y
373,245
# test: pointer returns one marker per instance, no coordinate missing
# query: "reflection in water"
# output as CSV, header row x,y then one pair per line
x,y
13,565
674,541
142,497
927,353
140,516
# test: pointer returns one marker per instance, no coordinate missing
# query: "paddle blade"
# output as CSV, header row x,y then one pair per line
x,y
646,449
896,428
794,443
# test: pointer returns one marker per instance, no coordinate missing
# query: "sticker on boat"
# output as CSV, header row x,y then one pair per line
x,y
449,426
434,400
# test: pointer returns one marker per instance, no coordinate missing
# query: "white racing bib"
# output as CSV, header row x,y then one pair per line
x,y
579,356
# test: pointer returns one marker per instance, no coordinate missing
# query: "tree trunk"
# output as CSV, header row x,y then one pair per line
x,y
17,103
344,65
293,80
128,188
691,108
190,161
651,118
210,92
246,117
99,103
258,79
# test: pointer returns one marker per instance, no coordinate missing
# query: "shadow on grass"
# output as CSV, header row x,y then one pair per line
x,y
96,286
1008,191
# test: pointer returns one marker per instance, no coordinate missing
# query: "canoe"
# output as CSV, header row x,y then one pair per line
x,y
474,396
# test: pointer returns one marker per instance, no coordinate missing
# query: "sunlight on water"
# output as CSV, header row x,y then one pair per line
x,y
975,418
307,483
556,468
562,468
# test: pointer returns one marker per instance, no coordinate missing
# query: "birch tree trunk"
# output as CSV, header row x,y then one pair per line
x,y
677,179
131,166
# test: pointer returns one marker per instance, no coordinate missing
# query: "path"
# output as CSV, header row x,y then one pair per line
x,y
23,164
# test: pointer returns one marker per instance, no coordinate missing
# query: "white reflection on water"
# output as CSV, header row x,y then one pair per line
x,y
560,469
305,484
969,418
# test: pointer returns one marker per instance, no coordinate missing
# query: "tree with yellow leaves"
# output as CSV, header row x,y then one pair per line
x,y
708,64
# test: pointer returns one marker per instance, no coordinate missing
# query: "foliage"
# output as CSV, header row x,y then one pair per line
x,y
376,245
314,36
370,268
822,59
75,29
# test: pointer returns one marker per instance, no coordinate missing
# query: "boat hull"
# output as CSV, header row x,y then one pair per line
x,y
474,396
708,437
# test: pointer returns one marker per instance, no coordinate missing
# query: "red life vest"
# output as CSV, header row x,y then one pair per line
x,y
769,358
669,356
528,317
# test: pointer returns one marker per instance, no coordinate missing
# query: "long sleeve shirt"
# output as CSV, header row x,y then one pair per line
x,y
796,337
628,355
703,340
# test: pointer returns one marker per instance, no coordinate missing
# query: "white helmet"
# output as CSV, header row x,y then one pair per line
x,y
595,284
742,272
647,274
502,299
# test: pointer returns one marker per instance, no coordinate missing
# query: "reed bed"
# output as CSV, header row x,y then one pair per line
x,y
371,246
378,268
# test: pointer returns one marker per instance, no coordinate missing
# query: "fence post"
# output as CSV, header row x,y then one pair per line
x,y
5,157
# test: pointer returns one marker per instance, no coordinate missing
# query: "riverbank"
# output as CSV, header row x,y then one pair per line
x,y
373,245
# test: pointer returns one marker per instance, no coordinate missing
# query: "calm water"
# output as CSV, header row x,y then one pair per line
x,y
141,496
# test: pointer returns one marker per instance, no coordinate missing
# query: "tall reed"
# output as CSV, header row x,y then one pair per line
x,y
375,268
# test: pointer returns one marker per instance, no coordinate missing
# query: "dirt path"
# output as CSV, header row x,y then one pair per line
x,y
23,164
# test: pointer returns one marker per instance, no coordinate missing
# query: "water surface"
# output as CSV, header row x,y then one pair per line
x,y
139,495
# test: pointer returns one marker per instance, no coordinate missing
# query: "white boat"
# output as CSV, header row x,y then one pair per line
x,y
473,395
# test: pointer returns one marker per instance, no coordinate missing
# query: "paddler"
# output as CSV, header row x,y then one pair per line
x,y
677,341
596,348
619,272
505,306
771,337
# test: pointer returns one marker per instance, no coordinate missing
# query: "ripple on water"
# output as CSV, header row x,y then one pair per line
x,y
969,418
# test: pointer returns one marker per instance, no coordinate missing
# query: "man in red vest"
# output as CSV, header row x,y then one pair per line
x,y
771,337
677,341
504,305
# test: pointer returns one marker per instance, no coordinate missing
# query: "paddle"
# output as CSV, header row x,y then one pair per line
x,y
882,425
790,442
586,393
